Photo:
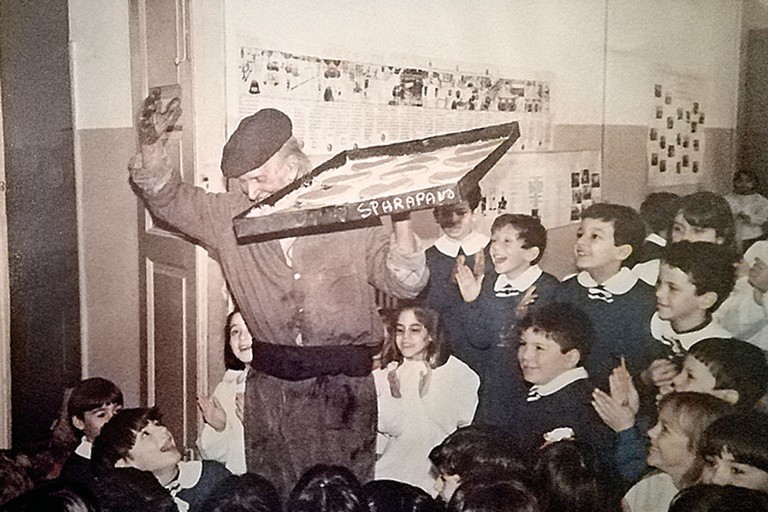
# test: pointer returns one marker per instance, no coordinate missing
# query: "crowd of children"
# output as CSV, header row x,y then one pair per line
x,y
502,388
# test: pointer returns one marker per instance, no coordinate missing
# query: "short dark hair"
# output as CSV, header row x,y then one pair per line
x,y
529,230
492,495
91,394
709,210
658,210
735,364
118,436
327,488
568,477
395,496
566,324
243,493
437,350
719,498
231,362
628,225
477,450
743,435
708,265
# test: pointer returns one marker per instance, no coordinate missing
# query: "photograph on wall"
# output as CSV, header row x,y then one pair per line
x,y
675,140
340,104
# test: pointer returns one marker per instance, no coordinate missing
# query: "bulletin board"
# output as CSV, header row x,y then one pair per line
x,y
676,131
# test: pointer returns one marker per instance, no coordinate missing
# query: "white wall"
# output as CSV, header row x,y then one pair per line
x,y
102,63
564,38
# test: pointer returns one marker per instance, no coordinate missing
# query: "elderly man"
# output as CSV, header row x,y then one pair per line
x,y
307,300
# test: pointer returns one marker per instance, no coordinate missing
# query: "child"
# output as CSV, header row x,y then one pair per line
x,y
567,478
675,441
554,340
135,438
324,488
719,498
461,242
221,437
704,217
618,303
517,246
470,453
243,493
92,403
749,208
694,280
658,211
730,369
423,395
736,451
494,495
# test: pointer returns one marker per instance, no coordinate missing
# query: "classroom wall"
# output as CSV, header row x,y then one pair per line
x,y
108,209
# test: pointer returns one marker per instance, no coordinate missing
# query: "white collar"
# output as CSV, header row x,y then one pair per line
x,y
657,239
681,342
235,376
188,477
472,243
84,448
561,381
521,282
618,284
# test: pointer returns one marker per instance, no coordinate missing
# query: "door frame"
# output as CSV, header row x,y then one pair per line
x,y
5,304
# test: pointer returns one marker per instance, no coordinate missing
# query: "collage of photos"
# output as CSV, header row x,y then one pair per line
x,y
280,74
675,137
585,190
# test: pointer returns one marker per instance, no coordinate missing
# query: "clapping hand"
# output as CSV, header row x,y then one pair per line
x,y
213,412
469,281
618,409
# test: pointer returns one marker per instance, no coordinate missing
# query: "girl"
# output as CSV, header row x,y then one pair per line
x,y
423,395
221,438
683,418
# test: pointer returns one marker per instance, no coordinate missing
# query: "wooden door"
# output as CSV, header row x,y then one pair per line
x,y
169,300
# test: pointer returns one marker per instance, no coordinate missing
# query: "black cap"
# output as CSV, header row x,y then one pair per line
x,y
257,138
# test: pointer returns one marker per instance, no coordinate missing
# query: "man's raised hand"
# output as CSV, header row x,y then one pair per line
x,y
156,120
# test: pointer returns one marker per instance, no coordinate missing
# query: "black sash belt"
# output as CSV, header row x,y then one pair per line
x,y
290,362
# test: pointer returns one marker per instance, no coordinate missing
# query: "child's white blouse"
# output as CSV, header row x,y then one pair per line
x,y
227,446
410,426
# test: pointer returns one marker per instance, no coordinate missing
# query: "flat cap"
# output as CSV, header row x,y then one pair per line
x,y
257,138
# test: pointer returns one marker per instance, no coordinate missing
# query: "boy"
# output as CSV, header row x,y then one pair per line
x,y
694,279
658,210
134,438
730,369
459,242
517,245
736,451
92,403
554,340
619,305
473,452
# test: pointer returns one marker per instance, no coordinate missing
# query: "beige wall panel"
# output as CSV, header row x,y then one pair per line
x,y
110,245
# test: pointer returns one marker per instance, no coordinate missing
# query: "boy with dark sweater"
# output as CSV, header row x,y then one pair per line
x,y
619,305
554,339
459,244
694,279
92,403
135,438
515,284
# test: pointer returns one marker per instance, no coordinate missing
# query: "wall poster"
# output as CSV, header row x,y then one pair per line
x,y
676,135
340,104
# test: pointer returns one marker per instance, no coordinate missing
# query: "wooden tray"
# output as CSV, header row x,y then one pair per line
x,y
358,184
